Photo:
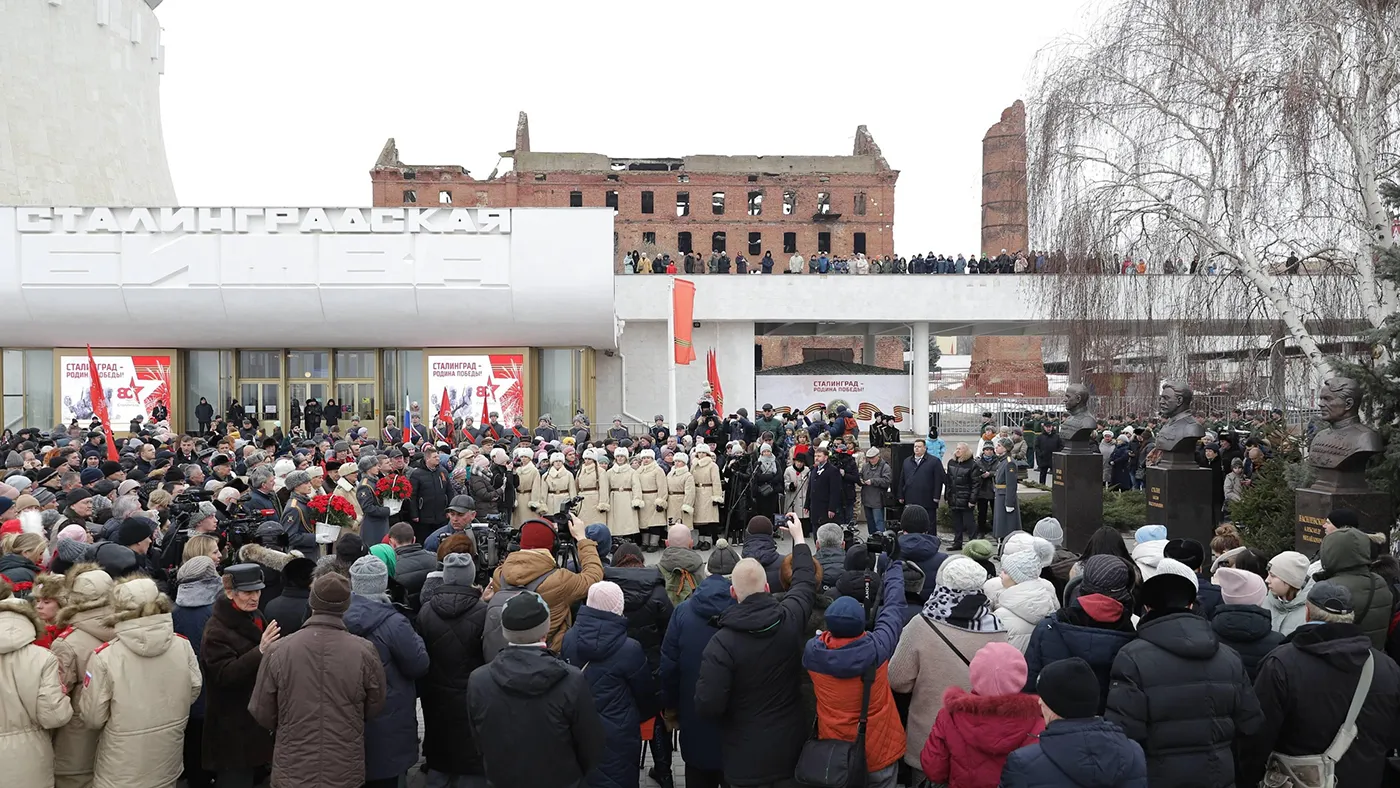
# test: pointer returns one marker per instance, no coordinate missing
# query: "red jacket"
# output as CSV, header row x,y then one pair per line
x,y
973,734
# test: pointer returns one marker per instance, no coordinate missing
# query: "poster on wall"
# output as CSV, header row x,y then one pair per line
x,y
477,386
863,395
133,386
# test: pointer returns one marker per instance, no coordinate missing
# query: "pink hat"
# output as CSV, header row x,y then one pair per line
x,y
1238,587
75,532
998,669
607,596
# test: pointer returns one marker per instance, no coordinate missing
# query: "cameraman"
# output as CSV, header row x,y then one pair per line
x,y
561,588
460,514
203,518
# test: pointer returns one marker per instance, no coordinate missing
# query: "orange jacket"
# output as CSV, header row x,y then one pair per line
x,y
838,710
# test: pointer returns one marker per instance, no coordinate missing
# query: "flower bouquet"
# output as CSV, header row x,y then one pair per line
x,y
393,491
333,513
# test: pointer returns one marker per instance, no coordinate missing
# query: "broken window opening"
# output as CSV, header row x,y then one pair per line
x,y
823,242
860,203
683,242
682,179
575,199
755,203
613,178
410,195
444,197
753,179
789,243
823,202
682,203
717,242
824,179
610,199
858,243
410,175
649,239
717,203
755,244
789,202
618,165
539,176
648,202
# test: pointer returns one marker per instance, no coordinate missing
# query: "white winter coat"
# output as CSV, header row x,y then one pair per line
x,y
32,700
1022,606
1147,555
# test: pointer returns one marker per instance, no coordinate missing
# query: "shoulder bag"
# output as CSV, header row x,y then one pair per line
x,y
833,763
1320,771
947,642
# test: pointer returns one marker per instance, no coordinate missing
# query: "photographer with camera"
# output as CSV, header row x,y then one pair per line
x,y
460,514
534,567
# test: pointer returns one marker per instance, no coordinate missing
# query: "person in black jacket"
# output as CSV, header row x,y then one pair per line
x,y
1046,445
432,491
532,714
823,489
292,607
1177,692
1240,621
751,671
648,610
234,642
1306,685
922,479
845,461
311,414
411,563
451,624
204,415
961,480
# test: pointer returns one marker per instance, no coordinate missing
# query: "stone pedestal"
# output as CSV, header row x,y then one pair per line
x,y
1312,506
1077,494
1180,499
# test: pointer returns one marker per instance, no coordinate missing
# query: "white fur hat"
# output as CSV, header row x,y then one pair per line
x,y
620,452
702,448
680,457
557,456
524,453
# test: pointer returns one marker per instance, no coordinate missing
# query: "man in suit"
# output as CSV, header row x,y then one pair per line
x,y
824,488
921,480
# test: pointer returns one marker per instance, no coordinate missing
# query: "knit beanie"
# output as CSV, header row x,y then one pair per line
x,y
1187,551
72,551
1044,551
607,596
997,669
914,519
330,593
1021,566
369,576
723,559
1290,567
536,535
134,530
601,536
525,619
979,550
1050,530
1016,542
845,617
349,547
1070,688
1238,587
961,573
1150,533
458,569
758,524
201,567
1173,586
1106,574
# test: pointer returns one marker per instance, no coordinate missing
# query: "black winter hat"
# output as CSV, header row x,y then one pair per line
x,y
133,530
297,572
110,467
1344,518
914,519
350,547
1070,688
1187,551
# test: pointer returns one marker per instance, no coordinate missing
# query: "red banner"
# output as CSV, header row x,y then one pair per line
x,y
712,375
683,308
99,405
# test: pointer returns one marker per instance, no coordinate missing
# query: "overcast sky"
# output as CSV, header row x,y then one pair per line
x,y
289,103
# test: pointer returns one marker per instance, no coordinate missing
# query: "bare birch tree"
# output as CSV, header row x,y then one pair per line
x,y
1239,131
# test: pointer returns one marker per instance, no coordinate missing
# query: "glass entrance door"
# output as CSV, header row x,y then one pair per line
x,y
260,402
298,393
357,401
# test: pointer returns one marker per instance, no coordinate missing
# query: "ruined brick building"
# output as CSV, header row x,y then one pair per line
x,y
738,204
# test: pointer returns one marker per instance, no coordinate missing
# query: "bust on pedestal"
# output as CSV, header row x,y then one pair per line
x,y
1077,491
1178,488
1339,456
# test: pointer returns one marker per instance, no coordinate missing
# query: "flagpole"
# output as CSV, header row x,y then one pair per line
x,y
675,413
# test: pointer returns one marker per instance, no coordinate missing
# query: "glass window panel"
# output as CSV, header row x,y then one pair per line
x,y
354,364
557,384
38,388
260,363
303,364
203,379
14,373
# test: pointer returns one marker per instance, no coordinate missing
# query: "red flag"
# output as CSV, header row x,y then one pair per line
x,y
444,413
683,307
99,404
712,374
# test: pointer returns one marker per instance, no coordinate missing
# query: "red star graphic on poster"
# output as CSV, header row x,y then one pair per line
x,y
135,390
491,387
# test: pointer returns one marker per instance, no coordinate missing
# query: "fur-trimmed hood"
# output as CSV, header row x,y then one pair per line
x,y
994,724
50,586
264,556
19,625
88,589
141,616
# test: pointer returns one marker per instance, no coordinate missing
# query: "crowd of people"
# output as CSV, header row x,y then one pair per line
x,y
174,614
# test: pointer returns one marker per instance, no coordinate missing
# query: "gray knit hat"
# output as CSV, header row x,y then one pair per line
x,y
296,479
1108,575
369,576
458,569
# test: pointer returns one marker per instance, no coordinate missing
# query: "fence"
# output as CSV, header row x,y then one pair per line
x,y
963,416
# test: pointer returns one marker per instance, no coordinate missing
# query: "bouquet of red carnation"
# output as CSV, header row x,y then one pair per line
x,y
333,510
393,487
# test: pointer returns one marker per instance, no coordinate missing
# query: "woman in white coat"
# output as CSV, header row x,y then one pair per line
x,y
653,514
709,493
1025,597
624,496
529,488
559,484
593,487
680,491
32,699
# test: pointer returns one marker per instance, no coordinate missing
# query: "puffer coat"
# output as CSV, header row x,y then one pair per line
x,y
391,736
32,699
138,690
83,627
623,688
963,478
1346,561
450,624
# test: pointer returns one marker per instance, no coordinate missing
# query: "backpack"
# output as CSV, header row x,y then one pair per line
x,y
850,426
680,584
492,638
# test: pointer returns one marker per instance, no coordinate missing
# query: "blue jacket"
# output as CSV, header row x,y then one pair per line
x,y
922,483
690,631
926,551
1208,597
936,447
391,737
435,538
623,689
1071,632
1090,753
765,550
877,646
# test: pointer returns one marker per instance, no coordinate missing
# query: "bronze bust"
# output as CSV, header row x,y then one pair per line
x,y
1079,427
1180,432
1339,454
